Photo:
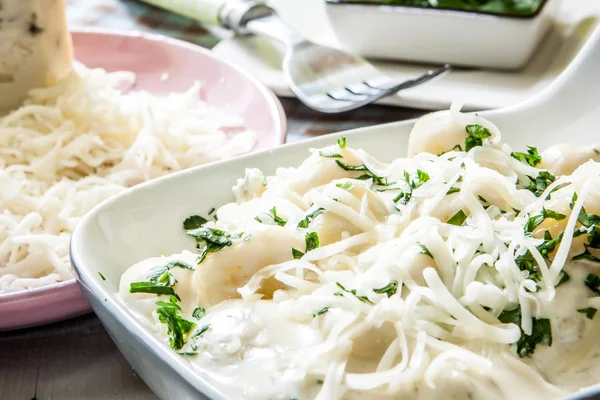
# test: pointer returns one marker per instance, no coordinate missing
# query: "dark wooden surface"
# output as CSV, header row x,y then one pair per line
x,y
76,359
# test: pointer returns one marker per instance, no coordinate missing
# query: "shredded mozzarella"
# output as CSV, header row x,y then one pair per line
x,y
75,144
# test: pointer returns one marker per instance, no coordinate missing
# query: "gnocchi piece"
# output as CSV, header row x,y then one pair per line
x,y
222,273
564,159
435,133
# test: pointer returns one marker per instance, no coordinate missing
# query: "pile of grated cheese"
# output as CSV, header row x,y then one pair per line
x,y
73,145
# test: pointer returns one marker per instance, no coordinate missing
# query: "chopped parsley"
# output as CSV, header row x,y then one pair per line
x,y
458,219
453,190
312,242
535,221
320,312
342,142
177,326
330,155
162,273
297,254
213,240
194,222
279,221
309,217
476,135
540,183
390,289
199,313
591,227
364,299
377,180
212,210
531,157
589,312
404,197
424,250
345,185
151,287
101,276
592,281
541,332
586,255
549,244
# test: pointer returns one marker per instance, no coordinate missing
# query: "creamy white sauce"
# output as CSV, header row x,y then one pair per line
x,y
320,326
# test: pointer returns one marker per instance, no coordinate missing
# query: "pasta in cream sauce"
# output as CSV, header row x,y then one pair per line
x,y
468,270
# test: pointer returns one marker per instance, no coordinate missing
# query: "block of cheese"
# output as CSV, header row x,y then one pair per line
x,y
35,48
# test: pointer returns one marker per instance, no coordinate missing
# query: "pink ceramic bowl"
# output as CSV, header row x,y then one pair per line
x,y
162,65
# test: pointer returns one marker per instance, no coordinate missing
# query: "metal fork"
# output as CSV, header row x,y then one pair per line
x,y
323,78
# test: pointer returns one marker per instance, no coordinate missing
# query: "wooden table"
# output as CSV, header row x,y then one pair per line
x,y
76,359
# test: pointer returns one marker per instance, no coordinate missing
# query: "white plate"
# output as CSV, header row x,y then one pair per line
x,y
479,89
122,230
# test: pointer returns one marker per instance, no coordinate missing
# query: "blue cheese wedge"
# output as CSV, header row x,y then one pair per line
x,y
35,48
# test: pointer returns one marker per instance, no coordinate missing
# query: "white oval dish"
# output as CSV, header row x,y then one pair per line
x,y
145,221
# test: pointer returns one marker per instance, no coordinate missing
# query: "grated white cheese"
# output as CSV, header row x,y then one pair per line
x,y
75,144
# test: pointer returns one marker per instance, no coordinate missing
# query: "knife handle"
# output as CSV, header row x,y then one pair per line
x,y
229,14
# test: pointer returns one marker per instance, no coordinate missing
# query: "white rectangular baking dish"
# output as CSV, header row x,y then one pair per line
x,y
435,35
144,221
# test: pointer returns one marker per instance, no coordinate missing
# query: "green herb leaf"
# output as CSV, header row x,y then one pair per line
x,y
402,198
342,142
453,190
213,240
101,276
540,183
564,277
309,217
312,241
390,289
378,180
347,167
194,222
150,287
531,157
423,177
279,221
330,155
297,254
586,255
573,200
424,250
177,326
549,244
363,299
535,221
592,281
541,332
458,219
200,331
199,313
589,312
476,135
321,311
212,210
345,185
